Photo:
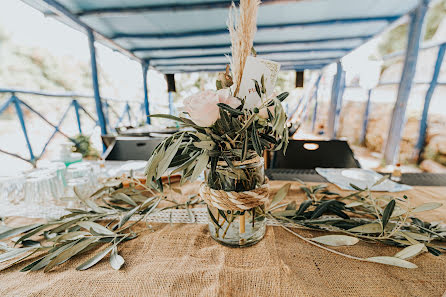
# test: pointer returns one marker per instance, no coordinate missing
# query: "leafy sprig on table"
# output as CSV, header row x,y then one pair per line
x,y
106,221
83,230
362,216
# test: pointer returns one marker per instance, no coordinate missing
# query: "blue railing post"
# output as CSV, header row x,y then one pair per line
x,y
427,100
366,118
6,104
22,124
78,117
94,76
145,68
336,101
391,151
56,129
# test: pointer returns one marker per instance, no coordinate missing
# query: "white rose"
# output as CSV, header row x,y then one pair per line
x,y
202,108
224,96
263,113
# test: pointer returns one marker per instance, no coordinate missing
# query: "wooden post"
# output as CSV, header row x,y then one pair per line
x,y
427,100
391,151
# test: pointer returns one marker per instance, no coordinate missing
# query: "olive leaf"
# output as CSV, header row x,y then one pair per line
x,y
336,240
388,212
367,228
282,96
427,206
280,195
13,254
392,261
205,144
93,261
169,155
232,111
411,251
202,162
256,84
96,227
18,230
70,252
125,198
116,261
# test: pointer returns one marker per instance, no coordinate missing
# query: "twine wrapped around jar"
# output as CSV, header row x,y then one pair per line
x,y
231,200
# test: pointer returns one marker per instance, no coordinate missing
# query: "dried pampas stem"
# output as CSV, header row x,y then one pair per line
x,y
242,36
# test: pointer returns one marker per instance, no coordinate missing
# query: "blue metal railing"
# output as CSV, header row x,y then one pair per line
x,y
20,105
433,83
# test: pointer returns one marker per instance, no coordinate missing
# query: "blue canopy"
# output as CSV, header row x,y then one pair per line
x,y
191,35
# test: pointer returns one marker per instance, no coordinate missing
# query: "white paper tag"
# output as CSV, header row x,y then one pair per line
x,y
254,68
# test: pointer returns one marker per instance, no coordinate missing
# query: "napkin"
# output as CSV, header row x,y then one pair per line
x,y
363,178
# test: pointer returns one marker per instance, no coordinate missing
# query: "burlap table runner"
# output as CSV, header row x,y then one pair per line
x,y
182,260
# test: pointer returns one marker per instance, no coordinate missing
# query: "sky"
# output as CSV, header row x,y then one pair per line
x,y
25,26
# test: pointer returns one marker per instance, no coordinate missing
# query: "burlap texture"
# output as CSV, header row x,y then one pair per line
x,y
182,260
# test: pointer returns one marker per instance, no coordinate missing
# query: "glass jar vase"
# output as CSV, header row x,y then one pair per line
x,y
237,227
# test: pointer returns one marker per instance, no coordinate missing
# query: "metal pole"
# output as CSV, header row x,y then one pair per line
x,y
6,104
171,111
56,129
337,82
366,118
22,124
339,104
430,92
145,68
313,123
78,117
94,76
391,151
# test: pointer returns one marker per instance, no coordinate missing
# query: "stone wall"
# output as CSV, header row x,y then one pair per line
x,y
351,121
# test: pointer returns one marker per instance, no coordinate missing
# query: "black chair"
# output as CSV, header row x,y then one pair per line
x,y
131,148
309,154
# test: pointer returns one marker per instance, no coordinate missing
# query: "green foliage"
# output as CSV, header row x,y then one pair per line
x,y
82,144
396,39
105,222
238,135
362,216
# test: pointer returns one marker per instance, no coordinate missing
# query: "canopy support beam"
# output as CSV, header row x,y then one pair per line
x,y
94,76
293,51
145,68
224,31
392,148
427,100
336,101
227,46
